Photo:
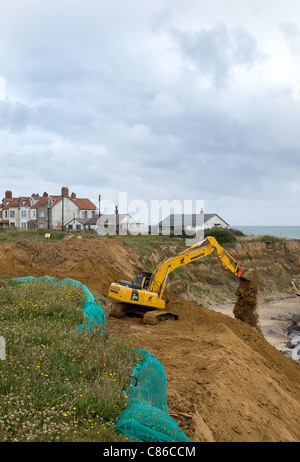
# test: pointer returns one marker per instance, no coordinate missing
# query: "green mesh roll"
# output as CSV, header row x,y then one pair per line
x,y
147,418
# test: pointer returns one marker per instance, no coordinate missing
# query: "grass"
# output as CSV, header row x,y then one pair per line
x,y
269,238
198,290
38,234
144,244
58,384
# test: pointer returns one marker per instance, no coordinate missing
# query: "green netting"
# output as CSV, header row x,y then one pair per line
x,y
147,418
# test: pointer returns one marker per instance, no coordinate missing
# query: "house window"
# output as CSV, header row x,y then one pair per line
x,y
23,225
12,224
78,227
84,214
6,214
23,213
70,226
41,213
12,214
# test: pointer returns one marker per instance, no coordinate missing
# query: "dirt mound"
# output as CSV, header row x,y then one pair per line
x,y
225,381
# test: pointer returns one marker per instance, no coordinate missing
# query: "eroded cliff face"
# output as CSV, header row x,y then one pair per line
x,y
103,261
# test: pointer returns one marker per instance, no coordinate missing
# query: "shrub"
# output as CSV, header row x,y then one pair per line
x,y
222,235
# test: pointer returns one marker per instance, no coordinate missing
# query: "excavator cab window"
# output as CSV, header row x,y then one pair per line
x,y
139,281
133,285
146,282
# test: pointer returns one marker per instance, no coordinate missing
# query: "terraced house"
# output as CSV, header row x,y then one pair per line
x,y
46,211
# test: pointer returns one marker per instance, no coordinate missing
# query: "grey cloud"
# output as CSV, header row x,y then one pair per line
x,y
115,98
217,50
291,33
13,115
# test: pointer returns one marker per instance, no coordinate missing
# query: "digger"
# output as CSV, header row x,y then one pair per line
x,y
144,297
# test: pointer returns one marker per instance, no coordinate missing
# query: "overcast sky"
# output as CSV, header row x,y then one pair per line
x,y
161,99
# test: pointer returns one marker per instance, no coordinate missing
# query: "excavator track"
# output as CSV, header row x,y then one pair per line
x,y
120,309
148,316
155,316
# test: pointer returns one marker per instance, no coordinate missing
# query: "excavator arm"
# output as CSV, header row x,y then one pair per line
x,y
202,249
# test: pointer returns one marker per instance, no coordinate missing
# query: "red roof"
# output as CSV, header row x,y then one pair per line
x,y
56,201
15,202
40,203
84,204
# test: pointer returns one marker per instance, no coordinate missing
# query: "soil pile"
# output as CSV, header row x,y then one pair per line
x,y
225,381
245,307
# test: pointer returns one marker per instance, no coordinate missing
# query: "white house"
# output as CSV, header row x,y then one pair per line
x,y
190,223
119,223
66,208
15,212
46,211
212,220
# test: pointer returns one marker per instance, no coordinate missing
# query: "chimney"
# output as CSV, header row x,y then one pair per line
x,y
45,194
8,195
64,191
73,196
117,212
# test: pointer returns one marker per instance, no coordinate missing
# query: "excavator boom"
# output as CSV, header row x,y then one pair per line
x,y
202,249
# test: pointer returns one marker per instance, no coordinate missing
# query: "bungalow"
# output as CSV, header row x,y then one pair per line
x,y
79,224
190,223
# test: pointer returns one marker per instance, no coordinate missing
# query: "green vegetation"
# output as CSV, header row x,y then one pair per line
x,y
268,238
223,235
38,234
144,244
198,290
58,384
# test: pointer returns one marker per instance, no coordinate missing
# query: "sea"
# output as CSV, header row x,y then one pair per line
x,y
291,232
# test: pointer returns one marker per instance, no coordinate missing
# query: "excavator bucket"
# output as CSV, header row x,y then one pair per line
x,y
250,275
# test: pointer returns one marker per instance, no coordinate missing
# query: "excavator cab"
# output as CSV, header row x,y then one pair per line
x,y
141,282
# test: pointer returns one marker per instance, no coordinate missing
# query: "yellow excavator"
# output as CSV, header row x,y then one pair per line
x,y
144,297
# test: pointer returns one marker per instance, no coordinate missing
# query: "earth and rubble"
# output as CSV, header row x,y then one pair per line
x,y
230,377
